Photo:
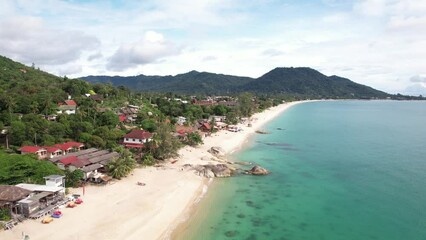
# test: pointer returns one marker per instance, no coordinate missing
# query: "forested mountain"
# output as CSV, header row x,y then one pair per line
x,y
300,81
188,83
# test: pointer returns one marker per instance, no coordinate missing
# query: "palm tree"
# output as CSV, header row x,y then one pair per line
x,y
122,166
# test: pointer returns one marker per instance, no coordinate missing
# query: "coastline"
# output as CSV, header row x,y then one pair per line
x,y
231,143
124,210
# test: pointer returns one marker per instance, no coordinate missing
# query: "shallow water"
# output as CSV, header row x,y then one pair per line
x,y
340,170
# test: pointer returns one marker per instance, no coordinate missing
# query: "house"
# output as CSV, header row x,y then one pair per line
x,y
67,107
228,103
220,125
136,138
183,131
97,98
181,120
52,151
10,196
130,113
91,161
39,151
69,147
205,127
204,102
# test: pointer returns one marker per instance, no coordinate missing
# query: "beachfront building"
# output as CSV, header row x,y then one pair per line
x,y
69,147
52,151
136,138
9,198
91,161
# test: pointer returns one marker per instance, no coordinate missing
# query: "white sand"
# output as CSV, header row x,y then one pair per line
x,y
124,210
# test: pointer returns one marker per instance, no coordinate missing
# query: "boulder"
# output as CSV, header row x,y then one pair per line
x,y
211,170
221,170
217,151
207,173
258,170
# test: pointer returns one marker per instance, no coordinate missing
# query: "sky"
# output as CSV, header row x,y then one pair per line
x,y
379,43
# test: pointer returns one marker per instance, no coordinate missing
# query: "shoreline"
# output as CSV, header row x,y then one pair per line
x,y
244,141
124,210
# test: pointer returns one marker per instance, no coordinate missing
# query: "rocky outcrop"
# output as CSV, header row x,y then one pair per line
x,y
258,170
211,170
217,151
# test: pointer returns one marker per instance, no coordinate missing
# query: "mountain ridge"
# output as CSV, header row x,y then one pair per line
x,y
297,81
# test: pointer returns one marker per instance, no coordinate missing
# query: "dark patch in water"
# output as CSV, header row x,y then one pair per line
x,y
257,222
250,203
290,149
306,175
302,226
231,233
252,237
278,144
241,215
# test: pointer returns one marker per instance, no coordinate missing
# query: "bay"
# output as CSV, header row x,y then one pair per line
x,y
340,170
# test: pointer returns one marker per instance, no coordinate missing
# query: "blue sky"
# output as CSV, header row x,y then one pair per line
x,y
380,43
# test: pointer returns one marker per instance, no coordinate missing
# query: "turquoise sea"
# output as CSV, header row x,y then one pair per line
x,y
345,170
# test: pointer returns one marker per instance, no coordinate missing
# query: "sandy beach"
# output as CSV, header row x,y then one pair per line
x,y
124,210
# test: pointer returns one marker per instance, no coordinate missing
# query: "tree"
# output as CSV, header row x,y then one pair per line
x,y
246,104
194,139
149,125
18,134
16,169
73,179
148,159
164,145
122,166
109,119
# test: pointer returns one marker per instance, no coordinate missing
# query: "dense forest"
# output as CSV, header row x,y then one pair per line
x,y
29,98
298,82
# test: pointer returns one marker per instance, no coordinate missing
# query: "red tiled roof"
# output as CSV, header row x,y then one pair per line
x,y
68,145
206,126
68,160
122,118
70,102
81,162
138,134
75,144
30,149
51,149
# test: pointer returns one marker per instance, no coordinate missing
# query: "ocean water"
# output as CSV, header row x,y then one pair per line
x,y
345,170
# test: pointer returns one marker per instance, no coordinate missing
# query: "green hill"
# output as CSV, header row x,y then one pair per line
x,y
26,90
309,82
305,82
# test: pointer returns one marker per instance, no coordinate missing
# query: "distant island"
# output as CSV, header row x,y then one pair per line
x,y
299,82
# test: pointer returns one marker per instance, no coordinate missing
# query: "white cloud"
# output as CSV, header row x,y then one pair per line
x,y
371,7
272,52
418,79
151,48
27,39
416,89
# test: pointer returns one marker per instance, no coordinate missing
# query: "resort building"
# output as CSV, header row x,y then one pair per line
x,y
136,138
52,151
10,196
39,151
91,161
